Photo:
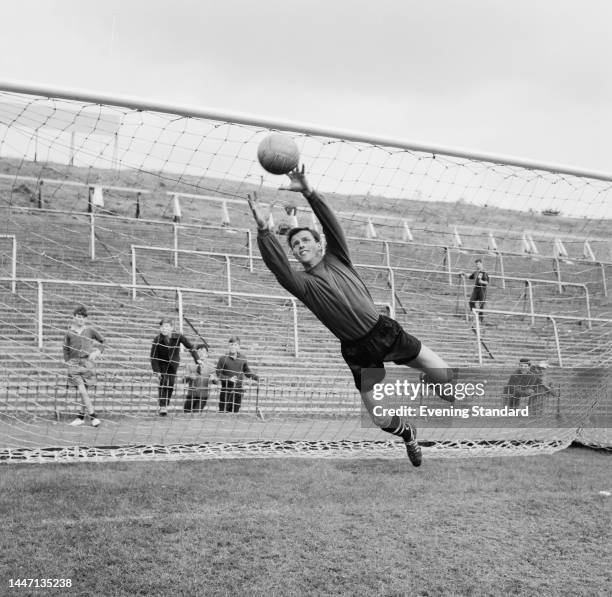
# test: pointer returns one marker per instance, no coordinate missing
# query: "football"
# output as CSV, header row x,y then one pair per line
x,y
278,154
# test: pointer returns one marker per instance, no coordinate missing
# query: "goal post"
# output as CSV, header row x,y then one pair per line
x,y
120,174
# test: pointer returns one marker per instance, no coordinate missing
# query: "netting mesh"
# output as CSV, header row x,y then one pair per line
x,y
139,213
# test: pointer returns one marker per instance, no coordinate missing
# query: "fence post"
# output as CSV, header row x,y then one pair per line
x,y
603,279
501,269
250,250
179,308
39,314
175,242
133,249
14,266
476,315
392,283
557,344
387,253
448,265
228,276
588,304
466,310
530,294
92,236
296,342
557,268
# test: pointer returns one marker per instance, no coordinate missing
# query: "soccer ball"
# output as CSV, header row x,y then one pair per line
x,y
278,154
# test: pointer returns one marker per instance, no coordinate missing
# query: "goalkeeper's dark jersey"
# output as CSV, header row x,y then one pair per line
x,y
332,289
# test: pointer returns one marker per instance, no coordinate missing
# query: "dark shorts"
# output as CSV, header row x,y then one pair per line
x,y
478,294
386,341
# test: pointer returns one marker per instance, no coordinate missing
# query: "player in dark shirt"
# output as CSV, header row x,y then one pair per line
x,y
481,283
520,385
232,368
331,288
165,359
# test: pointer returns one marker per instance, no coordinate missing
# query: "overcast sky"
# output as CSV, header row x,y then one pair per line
x,y
529,78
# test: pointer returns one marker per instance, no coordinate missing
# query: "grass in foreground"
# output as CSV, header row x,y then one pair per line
x,y
504,526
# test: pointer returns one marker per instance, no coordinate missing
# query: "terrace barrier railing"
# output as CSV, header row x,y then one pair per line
x,y
447,250
179,291
392,299
552,318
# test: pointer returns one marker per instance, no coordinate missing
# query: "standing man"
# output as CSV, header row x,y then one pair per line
x,y
232,368
82,346
165,359
542,388
479,292
331,288
520,385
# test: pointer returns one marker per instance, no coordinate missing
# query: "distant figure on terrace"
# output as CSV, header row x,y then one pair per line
x,y
331,288
288,222
232,368
198,377
479,292
82,347
520,386
165,359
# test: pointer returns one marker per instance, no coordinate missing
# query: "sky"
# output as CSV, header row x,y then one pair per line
x,y
528,78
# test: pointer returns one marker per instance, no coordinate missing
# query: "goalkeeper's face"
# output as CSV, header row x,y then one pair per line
x,y
306,249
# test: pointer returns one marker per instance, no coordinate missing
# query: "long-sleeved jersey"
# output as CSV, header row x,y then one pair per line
x,y
78,344
481,279
166,352
332,289
228,366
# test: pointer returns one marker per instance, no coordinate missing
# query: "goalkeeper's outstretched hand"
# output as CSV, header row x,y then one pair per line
x,y
254,205
297,181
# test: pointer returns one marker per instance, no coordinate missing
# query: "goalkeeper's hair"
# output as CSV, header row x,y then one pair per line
x,y
294,231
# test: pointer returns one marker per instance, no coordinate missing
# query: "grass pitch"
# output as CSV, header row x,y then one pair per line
x,y
480,526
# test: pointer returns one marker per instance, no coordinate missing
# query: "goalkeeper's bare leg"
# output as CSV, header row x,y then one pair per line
x,y
436,371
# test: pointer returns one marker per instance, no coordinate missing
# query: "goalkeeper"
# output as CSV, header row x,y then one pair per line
x,y
331,288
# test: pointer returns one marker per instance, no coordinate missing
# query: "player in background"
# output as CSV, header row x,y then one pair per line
x,y
231,370
165,359
520,385
331,288
82,347
479,292
198,377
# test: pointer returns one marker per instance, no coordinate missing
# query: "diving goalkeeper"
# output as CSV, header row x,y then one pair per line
x,y
331,288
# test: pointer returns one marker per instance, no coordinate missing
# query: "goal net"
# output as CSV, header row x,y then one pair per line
x,y
137,211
